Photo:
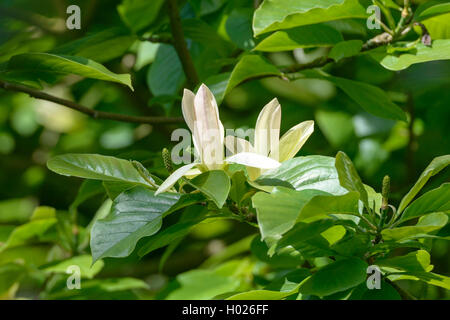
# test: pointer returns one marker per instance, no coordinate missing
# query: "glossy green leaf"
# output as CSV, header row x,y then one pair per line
x,y
138,14
84,262
249,67
439,50
214,184
319,35
372,99
432,169
277,211
433,10
239,28
301,232
310,172
285,14
95,166
386,292
135,214
437,200
325,205
428,277
349,177
414,261
335,277
345,49
43,65
426,224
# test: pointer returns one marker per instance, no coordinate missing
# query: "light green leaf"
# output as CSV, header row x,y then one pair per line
x,y
16,210
335,277
278,211
214,184
439,50
249,67
345,49
349,178
324,205
45,66
437,200
138,14
310,172
426,224
285,14
261,295
318,35
414,261
428,277
10,273
432,169
135,214
95,166
433,11
84,262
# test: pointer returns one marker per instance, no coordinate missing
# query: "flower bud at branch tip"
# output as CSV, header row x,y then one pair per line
x,y
385,191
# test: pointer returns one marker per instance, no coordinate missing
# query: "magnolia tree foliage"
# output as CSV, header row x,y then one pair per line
x,y
304,225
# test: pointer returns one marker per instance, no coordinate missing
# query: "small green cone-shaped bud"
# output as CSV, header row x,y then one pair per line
x,y
167,160
385,191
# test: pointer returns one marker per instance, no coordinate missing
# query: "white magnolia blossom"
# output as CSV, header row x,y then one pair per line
x,y
267,140
202,117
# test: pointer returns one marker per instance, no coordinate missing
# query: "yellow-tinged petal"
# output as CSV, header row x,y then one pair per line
x,y
294,139
209,128
253,160
174,177
238,145
267,129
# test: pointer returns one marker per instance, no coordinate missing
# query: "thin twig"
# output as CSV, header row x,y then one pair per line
x,y
90,112
180,45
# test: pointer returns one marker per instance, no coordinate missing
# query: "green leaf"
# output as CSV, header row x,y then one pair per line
x,y
437,200
426,224
46,66
250,66
214,184
370,98
432,169
349,178
277,211
261,295
325,205
301,232
138,14
101,46
285,14
9,274
239,28
239,187
345,49
35,229
432,11
87,190
386,292
439,50
135,214
95,166
428,277
335,277
16,210
318,35
414,261
165,76
310,172
336,126
218,85
84,262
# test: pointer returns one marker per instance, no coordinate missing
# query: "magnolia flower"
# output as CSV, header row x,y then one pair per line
x,y
267,140
202,117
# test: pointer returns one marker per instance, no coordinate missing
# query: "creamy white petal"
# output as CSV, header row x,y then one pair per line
x,y
267,129
253,160
237,145
174,177
187,107
294,139
208,125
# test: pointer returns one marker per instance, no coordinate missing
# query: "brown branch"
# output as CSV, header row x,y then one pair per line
x,y
180,45
90,112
